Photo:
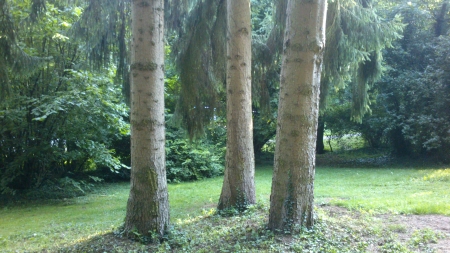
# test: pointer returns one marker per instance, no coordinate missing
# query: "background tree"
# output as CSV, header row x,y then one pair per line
x,y
148,203
292,196
413,92
408,104
356,34
60,118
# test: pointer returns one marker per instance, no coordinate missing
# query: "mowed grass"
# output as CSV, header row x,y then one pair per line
x,y
405,191
37,226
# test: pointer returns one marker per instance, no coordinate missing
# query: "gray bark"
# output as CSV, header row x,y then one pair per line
x,y
148,206
238,188
292,196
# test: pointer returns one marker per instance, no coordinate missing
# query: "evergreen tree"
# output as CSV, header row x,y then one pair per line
x,y
148,203
356,35
292,196
12,57
238,188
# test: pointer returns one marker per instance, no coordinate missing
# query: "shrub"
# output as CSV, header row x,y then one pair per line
x,y
186,160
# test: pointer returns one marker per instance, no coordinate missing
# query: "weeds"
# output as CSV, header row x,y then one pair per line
x,y
424,237
247,232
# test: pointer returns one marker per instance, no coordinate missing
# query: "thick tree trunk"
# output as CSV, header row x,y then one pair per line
x,y
238,188
292,197
148,206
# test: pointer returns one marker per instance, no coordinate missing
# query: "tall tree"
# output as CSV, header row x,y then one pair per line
x,y
148,206
238,188
292,197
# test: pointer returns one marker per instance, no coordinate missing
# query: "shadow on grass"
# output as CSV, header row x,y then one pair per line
x,y
108,242
373,158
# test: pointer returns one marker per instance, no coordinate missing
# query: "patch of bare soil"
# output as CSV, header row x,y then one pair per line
x,y
437,223
405,226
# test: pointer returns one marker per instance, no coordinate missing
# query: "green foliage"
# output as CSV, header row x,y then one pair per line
x,y
356,34
394,247
425,236
62,118
200,55
412,97
187,161
63,188
14,60
409,105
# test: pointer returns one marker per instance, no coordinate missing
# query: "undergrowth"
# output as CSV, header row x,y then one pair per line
x,y
247,232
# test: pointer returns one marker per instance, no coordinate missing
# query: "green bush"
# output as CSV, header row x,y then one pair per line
x,y
61,118
187,161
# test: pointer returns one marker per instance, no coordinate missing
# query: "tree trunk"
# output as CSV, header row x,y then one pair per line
x,y
292,197
320,146
148,206
441,25
238,188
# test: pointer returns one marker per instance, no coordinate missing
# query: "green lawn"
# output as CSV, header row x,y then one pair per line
x,y
36,226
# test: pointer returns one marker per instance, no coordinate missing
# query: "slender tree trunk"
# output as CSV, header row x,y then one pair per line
x,y
292,197
148,206
320,146
238,188
441,25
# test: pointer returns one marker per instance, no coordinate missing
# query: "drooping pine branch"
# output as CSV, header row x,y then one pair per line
x,y
200,58
356,34
12,57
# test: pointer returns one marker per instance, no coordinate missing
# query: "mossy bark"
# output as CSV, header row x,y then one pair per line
x,y
238,189
148,206
292,196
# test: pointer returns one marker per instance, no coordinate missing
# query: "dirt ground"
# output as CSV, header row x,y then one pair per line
x,y
437,223
408,224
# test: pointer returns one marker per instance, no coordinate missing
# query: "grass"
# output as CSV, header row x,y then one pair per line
x,y
406,191
63,224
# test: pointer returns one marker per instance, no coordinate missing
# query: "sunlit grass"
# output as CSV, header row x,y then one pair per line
x,y
35,226
384,190
437,175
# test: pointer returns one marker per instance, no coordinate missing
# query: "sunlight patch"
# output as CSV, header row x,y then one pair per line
x,y
438,175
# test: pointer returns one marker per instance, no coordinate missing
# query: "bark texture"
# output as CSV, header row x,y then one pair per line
x,y
148,206
292,196
238,188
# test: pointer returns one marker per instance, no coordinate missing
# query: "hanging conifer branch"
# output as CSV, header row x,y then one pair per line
x,y
266,52
355,37
176,12
12,57
275,39
103,27
368,72
200,59
97,27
